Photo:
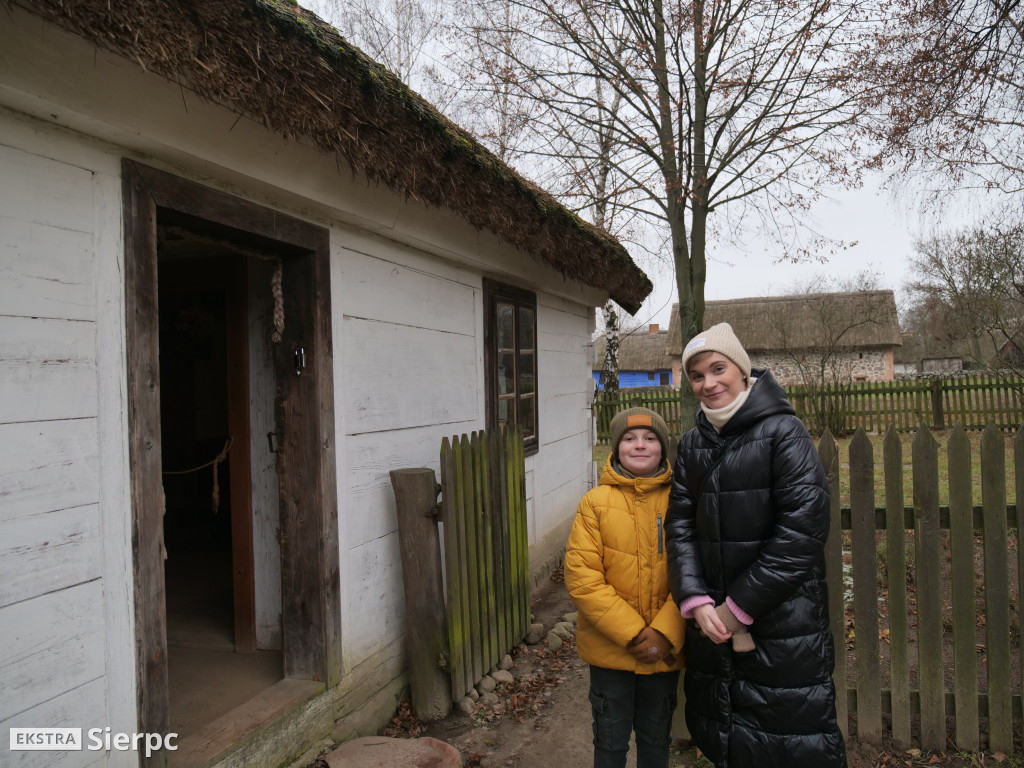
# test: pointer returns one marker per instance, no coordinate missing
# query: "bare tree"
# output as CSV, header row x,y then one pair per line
x,y
814,332
970,285
720,107
394,32
946,79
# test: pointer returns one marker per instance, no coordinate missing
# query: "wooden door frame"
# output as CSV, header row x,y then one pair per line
x,y
306,465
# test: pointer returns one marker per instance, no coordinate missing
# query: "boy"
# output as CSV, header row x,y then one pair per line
x,y
630,630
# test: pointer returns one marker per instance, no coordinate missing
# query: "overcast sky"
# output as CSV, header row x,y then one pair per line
x,y
884,227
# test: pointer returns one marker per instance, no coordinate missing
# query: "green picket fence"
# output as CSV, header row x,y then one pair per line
x,y
486,555
662,400
972,401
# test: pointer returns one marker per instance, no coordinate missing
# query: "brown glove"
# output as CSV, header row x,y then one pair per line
x,y
650,646
742,642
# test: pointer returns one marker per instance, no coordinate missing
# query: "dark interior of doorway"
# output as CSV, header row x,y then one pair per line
x,y
206,677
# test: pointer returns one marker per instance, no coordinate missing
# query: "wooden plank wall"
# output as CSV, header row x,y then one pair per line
x,y
52,628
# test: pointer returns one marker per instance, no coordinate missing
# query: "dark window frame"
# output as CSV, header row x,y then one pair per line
x,y
496,293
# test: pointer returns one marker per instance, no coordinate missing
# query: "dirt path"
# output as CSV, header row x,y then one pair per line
x,y
544,719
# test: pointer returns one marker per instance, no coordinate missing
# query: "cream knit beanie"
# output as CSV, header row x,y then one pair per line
x,y
718,338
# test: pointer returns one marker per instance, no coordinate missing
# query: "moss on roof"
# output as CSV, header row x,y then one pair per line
x,y
281,65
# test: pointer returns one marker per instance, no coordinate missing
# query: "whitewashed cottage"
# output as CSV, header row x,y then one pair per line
x,y
233,247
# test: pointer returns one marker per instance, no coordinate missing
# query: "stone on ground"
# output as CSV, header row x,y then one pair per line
x,y
385,752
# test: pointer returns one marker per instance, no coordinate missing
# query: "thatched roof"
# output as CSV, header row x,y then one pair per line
x,y
284,67
638,351
918,347
857,320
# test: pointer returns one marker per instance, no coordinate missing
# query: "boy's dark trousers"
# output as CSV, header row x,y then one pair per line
x,y
624,702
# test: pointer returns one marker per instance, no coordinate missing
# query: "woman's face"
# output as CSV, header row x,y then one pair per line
x,y
716,380
640,451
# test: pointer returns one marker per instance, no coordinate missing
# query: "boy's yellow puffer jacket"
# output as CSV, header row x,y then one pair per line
x,y
616,574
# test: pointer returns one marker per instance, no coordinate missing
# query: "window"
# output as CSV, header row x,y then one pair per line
x,y
510,352
664,379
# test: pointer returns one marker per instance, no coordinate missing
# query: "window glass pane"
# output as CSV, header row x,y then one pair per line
x,y
526,374
528,415
503,412
526,330
505,326
506,373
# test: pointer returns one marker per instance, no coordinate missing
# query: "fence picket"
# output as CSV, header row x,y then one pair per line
x,y
485,546
473,616
829,454
1018,463
865,592
502,550
961,540
896,570
997,595
453,603
517,514
929,597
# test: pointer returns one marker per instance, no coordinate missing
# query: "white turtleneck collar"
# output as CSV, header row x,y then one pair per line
x,y
719,417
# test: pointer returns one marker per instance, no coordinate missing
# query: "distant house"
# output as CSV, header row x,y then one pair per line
x,y
858,332
222,229
925,354
643,359
1011,352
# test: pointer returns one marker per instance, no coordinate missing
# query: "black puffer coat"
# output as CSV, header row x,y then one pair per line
x,y
753,527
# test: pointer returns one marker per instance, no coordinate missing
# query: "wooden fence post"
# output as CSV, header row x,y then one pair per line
x,y
415,497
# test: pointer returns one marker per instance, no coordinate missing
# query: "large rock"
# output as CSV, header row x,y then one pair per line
x,y
535,634
564,629
384,752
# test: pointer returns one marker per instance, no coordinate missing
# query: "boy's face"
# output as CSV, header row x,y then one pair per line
x,y
640,451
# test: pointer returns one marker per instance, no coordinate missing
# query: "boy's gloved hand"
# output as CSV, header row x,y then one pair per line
x,y
649,646
742,642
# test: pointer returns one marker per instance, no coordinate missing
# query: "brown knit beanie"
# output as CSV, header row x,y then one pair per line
x,y
718,338
635,418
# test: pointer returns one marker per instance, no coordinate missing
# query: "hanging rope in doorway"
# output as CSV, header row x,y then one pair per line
x,y
278,293
215,497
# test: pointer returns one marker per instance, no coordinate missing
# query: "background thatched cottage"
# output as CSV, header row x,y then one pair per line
x,y
852,333
643,359
219,218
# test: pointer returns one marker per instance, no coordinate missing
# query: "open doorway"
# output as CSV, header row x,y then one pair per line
x,y
223,625
230,416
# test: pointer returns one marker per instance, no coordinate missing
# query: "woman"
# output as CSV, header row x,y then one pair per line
x,y
630,630
748,520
